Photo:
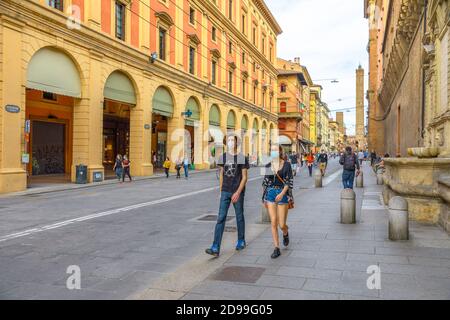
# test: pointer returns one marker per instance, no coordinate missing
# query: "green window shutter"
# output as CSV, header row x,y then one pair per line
x,y
163,103
244,123
118,87
231,120
53,71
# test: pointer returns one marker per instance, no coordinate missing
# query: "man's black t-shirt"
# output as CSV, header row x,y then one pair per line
x,y
232,171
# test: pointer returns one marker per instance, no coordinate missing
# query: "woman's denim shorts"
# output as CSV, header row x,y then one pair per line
x,y
272,193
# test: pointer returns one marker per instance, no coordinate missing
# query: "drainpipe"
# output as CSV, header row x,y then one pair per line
x,y
422,134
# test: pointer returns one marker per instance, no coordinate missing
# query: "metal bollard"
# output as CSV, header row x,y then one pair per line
x,y
318,179
380,181
265,218
360,180
398,219
348,206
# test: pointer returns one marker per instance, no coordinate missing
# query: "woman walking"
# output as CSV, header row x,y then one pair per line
x,y
278,184
126,168
166,166
118,169
178,164
310,162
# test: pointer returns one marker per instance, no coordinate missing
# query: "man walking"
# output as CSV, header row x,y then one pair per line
x,y
351,164
361,157
294,163
186,167
233,178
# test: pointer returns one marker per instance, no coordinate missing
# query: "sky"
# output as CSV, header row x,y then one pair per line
x,y
330,37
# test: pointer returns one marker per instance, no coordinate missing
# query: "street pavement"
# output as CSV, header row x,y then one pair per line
x,y
144,240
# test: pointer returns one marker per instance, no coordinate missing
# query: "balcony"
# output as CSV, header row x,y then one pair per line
x,y
290,115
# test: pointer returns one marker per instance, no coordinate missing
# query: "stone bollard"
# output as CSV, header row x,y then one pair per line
x,y
380,181
398,219
265,218
360,180
318,179
348,206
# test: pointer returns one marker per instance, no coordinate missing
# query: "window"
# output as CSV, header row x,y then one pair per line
x,y
230,81
243,57
254,94
49,96
213,72
191,60
283,107
243,23
191,16
244,84
254,66
271,53
230,47
254,36
120,20
263,99
263,43
162,44
57,4
214,33
283,88
230,9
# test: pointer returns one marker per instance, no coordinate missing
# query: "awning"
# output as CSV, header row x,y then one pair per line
x,y
192,106
163,103
231,120
118,87
306,142
284,141
216,133
214,116
51,70
244,123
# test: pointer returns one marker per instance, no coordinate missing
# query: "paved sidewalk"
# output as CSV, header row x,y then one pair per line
x,y
328,260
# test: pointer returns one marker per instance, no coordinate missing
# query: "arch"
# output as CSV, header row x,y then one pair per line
x,y
62,78
119,87
214,115
193,106
231,120
162,102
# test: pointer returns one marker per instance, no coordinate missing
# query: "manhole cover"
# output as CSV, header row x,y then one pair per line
x,y
230,229
239,274
212,217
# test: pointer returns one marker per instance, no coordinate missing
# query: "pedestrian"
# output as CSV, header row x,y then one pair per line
x,y
233,178
294,163
373,157
154,158
118,169
186,167
178,165
126,168
323,162
301,159
167,164
310,162
361,157
350,162
278,183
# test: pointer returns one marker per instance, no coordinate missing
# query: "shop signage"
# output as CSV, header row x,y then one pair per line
x,y
25,158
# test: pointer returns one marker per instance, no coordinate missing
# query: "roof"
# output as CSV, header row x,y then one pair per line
x,y
261,5
299,74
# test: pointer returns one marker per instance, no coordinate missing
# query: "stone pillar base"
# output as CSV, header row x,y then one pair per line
x,y
13,180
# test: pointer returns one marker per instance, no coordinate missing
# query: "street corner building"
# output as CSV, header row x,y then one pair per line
x,y
84,80
409,110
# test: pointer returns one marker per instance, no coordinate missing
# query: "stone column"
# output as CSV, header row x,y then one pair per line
x,y
88,121
13,176
175,129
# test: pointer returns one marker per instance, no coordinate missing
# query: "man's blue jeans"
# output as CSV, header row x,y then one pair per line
x,y
348,179
186,170
225,201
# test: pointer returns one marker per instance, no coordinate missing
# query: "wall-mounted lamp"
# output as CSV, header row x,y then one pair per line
x,y
153,57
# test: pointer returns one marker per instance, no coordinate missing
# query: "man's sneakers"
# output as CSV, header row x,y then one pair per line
x,y
240,245
213,251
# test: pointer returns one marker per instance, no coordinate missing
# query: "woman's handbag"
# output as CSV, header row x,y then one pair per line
x,y
291,203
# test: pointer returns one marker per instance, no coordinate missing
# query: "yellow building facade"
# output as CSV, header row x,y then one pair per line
x,y
82,81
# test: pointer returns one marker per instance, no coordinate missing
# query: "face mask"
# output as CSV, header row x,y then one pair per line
x,y
275,154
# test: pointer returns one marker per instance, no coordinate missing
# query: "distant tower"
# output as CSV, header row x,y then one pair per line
x,y
360,131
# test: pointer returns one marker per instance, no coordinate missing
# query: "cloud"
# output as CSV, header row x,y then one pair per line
x,y
330,37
